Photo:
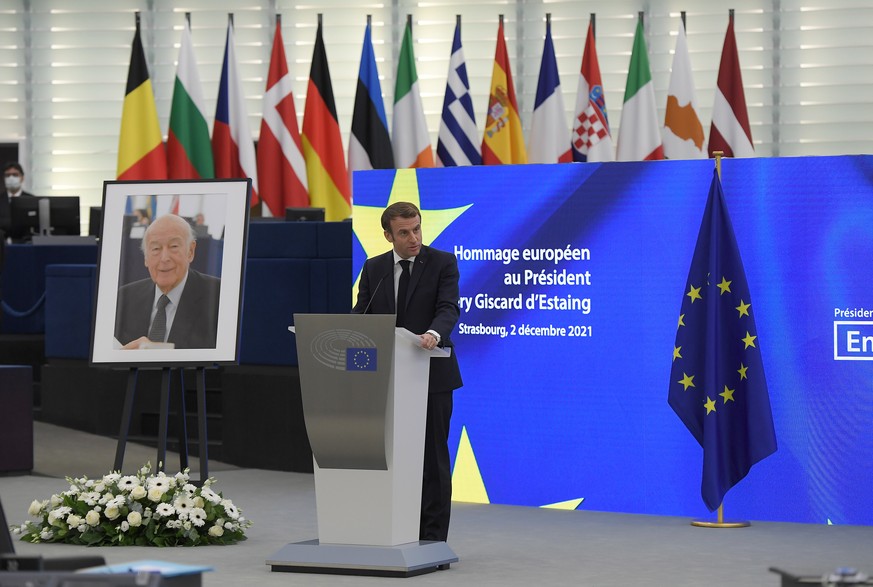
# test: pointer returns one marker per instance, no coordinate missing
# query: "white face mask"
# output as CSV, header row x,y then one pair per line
x,y
13,182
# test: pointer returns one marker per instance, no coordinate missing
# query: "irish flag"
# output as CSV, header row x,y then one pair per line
x,y
411,141
639,136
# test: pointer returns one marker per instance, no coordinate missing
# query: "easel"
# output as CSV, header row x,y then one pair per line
x,y
164,416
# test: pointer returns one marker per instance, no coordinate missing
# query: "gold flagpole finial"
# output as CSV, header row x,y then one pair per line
x,y
718,156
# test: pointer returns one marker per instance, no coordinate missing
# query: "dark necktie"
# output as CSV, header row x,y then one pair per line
x,y
402,288
158,331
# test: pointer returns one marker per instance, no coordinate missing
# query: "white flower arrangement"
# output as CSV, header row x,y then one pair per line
x,y
140,510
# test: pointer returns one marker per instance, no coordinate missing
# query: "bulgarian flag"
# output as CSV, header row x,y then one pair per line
x,y
639,136
189,153
411,141
322,144
141,153
503,141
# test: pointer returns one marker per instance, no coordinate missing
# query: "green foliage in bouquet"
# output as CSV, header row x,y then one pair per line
x,y
139,510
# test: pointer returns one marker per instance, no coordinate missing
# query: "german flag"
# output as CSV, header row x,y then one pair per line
x,y
141,153
322,142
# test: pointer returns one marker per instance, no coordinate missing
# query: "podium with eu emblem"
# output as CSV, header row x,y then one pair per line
x,y
364,389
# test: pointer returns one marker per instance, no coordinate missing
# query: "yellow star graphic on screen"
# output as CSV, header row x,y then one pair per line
x,y
676,353
709,404
727,394
742,371
743,309
694,293
749,340
366,220
725,286
681,320
687,380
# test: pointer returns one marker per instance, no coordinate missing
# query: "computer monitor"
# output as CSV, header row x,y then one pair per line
x,y
95,220
27,217
304,214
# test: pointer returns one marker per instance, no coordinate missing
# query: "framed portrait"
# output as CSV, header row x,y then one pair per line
x,y
170,273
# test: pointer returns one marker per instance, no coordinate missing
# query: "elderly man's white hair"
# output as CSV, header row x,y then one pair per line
x,y
183,225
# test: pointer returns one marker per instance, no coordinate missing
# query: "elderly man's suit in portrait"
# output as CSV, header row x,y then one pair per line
x,y
195,325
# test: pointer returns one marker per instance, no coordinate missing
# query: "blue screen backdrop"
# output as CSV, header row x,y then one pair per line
x,y
602,251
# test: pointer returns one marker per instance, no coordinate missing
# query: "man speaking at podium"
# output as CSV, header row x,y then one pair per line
x,y
420,285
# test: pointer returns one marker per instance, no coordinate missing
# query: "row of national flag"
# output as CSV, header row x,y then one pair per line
x,y
296,169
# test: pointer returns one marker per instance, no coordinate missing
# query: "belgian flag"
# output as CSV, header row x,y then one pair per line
x,y
141,153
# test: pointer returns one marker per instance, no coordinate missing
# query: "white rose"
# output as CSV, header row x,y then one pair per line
x,y
138,492
125,526
112,512
57,500
92,518
134,519
35,508
198,502
73,520
155,494
216,531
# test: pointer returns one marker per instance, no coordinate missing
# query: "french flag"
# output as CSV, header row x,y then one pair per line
x,y
549,130
232,146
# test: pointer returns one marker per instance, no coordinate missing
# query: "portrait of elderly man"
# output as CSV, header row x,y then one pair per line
x,y
175,304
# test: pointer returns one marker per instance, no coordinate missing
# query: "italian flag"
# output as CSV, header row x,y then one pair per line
x,y
411,140
639,136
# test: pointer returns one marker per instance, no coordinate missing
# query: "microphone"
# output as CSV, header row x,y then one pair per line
x,y
373,295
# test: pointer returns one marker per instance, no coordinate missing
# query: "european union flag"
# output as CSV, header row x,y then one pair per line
x,y
717,384
360,359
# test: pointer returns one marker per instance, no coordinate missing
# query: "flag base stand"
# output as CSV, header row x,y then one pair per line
x,y
720,522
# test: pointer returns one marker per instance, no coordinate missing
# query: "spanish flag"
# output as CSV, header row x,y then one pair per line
x,y
141,153
502,142
322,144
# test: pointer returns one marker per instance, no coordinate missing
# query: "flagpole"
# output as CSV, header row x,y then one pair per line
x,y
593,25
719,523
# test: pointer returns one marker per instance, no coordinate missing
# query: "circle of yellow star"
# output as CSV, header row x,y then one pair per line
x,y
676,353
681,320
742,371
687,380
725,286
727,394
709,405
743,309
749,340
694,293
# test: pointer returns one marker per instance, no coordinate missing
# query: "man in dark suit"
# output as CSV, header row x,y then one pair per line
x,y
13,179
175,304
431,311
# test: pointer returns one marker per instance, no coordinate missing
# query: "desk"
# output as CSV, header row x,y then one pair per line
x,y
23,281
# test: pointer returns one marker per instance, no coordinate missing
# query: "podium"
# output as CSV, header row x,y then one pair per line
x,y
364,389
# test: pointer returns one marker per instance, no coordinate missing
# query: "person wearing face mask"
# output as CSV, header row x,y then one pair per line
x,y
13,178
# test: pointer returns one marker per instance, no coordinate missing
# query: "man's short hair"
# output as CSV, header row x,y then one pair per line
x,y
13,165
190,237
399,210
